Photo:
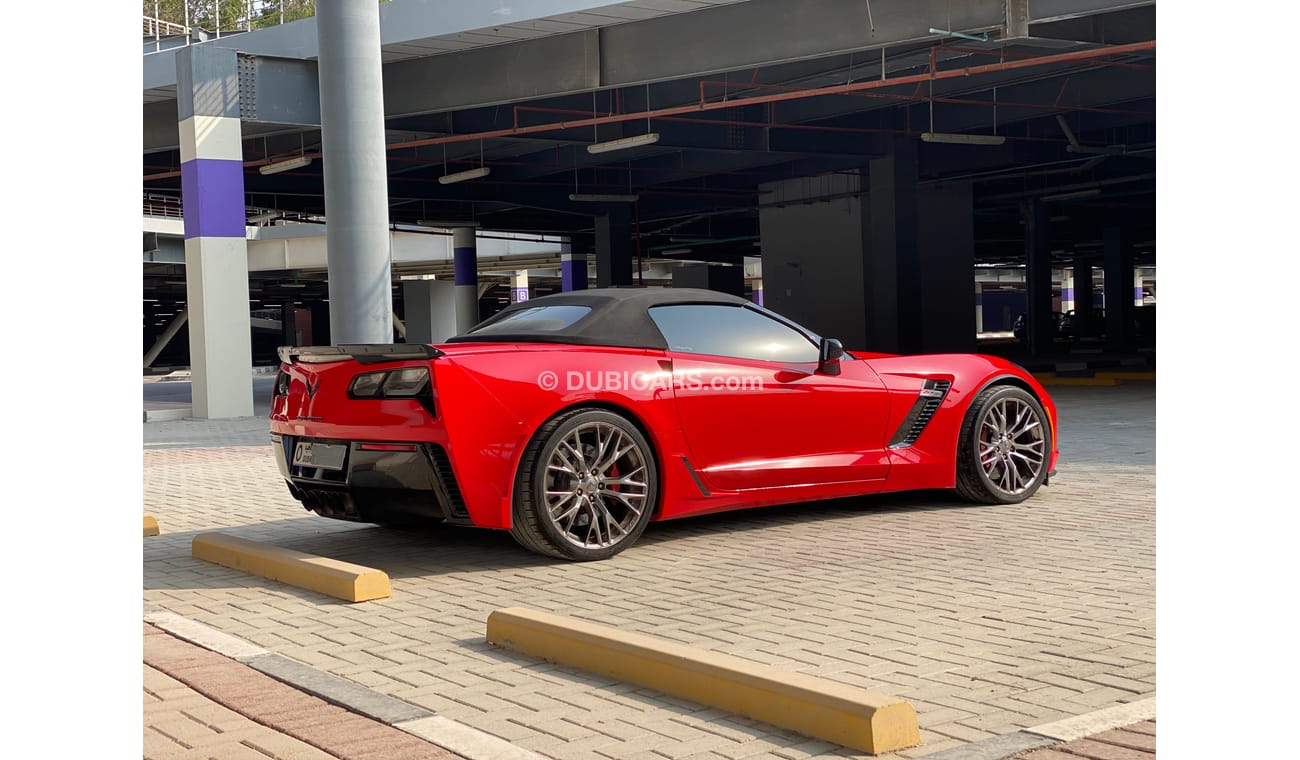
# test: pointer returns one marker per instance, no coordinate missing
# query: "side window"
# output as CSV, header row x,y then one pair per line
x,y
723,330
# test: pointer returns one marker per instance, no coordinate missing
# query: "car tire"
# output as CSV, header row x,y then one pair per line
x,y
586,488
1004,447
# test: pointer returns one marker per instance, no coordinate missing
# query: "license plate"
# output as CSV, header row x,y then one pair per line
x,y
328,456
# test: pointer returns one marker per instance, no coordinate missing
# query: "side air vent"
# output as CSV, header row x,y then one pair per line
x,y
448,491
932,395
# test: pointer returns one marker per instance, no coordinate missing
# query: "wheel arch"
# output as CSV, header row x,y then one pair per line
x,y
605,405
1022,384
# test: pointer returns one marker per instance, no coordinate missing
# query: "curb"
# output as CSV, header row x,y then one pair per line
x,y
836,712
332,577
167,415
468,742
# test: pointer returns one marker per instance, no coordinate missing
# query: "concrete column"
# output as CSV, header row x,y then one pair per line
x,y
288,324
519,286
757,292
1038,278
1083,305
945,270
320,324
431,310
887,270
892,268
573,271
979,308
615,248
1118,285
464,250
359,256
216,253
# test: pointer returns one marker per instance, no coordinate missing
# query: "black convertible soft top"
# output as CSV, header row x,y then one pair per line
x,y
617,317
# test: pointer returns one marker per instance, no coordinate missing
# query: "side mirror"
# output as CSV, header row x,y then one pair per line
x,y
828,356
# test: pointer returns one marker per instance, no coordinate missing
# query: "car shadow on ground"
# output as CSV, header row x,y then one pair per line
x,y
438,550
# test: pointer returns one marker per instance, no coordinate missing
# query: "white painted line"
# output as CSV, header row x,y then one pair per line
x,y
1094,723
463,740
208,638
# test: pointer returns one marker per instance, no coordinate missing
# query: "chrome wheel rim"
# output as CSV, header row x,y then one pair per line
x,y
1012,446
596,486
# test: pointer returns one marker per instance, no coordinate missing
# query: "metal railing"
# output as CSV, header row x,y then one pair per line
x,y
156,28
207,20
162,205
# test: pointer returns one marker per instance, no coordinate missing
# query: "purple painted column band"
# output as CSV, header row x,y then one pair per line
x,y
979,299
1137,294
212,191
1067,294
758,296
573,274
466,263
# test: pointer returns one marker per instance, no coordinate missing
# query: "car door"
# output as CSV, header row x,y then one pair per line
x,y
755,411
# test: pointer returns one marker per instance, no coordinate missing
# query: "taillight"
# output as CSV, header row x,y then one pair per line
x,y
282,383
408,382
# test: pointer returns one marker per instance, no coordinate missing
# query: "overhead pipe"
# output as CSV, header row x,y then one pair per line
x,y
1002,54
841,89
954,101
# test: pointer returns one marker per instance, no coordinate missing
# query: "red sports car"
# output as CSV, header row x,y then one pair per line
x,y
575,419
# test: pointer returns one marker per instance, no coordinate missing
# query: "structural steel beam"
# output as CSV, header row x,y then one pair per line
x,y
652,50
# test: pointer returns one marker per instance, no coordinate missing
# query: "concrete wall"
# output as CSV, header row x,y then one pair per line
x,y
813,254
430,310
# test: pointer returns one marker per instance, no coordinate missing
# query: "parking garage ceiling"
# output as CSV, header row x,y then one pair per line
x,y
740,94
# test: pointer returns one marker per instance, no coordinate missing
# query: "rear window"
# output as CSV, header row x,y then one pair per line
x,y
538,319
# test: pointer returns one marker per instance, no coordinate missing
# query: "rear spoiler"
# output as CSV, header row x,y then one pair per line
x,y
366,353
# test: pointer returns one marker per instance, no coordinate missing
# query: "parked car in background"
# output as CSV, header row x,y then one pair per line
x,y
1018,329
1066,326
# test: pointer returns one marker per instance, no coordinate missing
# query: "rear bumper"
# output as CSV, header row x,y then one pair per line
x,y
418,481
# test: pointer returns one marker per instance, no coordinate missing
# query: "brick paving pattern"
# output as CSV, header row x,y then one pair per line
x,y
1135,742
202,705
988,619
183,724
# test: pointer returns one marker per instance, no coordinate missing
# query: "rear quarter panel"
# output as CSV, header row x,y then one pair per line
x,y
494,400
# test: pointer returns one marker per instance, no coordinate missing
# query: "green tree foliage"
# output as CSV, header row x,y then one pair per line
x,y
232,14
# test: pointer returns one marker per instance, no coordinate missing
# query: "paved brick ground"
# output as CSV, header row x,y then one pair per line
x,y
199,704
181,723
988,619
1135,742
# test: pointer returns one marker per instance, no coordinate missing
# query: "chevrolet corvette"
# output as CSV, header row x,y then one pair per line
x,y
573,420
